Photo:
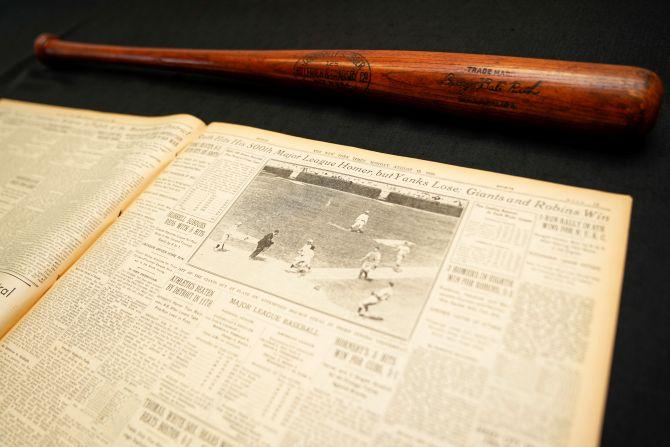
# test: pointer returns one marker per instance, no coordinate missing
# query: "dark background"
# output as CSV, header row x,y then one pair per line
x,y
619,32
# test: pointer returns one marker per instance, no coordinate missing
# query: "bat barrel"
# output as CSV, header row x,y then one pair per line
x,y
594,98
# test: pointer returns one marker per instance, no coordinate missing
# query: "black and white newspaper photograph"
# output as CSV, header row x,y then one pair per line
x,y
357,249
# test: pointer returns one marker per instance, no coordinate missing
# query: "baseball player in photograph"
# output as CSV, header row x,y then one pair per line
x,y
375,297
304,249
303,261
227,234
370,262
265,243
403,251
360,222
305,264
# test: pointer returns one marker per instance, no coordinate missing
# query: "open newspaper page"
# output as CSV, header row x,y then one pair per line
x,y
268,290
65,175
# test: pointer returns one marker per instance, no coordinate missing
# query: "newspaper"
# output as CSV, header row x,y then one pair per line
x,y
64,177
268,290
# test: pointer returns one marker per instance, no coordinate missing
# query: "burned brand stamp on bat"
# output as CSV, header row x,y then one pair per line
x,y
345,70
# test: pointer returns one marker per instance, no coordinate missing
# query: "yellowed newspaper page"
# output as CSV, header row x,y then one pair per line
x,y
65,174
268,290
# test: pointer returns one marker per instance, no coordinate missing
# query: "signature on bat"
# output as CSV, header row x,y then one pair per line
x,y
507,86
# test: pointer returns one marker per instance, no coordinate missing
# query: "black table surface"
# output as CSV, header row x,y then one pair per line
x,y
618,32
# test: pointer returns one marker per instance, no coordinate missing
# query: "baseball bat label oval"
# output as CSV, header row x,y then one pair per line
x,y
344,70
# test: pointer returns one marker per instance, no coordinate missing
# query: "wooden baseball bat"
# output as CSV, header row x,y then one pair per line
x,y
595,98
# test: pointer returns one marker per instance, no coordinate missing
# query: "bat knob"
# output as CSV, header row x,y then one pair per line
x,y
41,43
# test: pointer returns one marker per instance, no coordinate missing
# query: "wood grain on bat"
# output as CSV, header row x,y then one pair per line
x,y
596,98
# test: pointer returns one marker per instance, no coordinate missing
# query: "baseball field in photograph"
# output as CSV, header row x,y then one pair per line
x,y
305,214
